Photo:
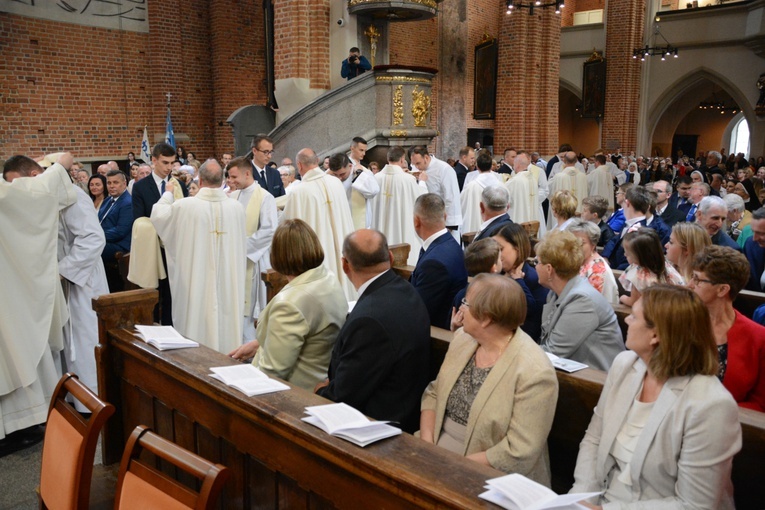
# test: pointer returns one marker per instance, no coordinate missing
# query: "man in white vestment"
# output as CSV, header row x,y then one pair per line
x,y
601,182
616,173
561,164
470,198
360,187
32,306
528,189
572,179
260,224
442,181
321,202
393,207
204,238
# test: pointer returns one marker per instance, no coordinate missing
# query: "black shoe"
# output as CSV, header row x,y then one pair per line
x,y
21,440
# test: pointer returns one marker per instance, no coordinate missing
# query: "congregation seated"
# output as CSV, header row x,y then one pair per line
x,y
298,328
594,268
664,431
754,249
563,206
594,209
719,274
647,265
493,399
711,215
97,190
738,216
577,321
685,241
515,252
480,257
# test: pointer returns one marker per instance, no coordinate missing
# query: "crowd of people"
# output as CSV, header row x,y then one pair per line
x,y
684,239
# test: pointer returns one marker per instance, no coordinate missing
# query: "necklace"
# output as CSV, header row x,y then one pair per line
x,y
499,355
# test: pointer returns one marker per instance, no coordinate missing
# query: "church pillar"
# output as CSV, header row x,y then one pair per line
x,y
624,32
528,77
452,77
238,63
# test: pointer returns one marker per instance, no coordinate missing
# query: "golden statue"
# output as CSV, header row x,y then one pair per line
x,y
420,106
372,33
398,106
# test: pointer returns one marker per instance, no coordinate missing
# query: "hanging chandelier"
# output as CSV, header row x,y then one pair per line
x,y
652,50
535,4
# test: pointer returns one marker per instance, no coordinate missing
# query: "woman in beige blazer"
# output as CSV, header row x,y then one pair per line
x,y
494,398
297,329
665,430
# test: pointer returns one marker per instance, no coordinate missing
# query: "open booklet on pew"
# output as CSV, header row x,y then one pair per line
x,y
567,365
247,379
516,492
164,337
345,422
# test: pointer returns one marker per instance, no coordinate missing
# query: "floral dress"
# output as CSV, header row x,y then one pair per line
x,y
641,278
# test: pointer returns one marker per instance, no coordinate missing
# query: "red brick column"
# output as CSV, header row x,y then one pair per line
x,y
624,32
528,80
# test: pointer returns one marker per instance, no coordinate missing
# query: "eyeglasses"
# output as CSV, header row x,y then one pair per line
x,y
696,280
465,303
267,153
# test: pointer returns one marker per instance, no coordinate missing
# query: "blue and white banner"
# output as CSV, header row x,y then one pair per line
x,y
169,134
145,150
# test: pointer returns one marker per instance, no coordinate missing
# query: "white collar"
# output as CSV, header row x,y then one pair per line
x,y
367,283
427,242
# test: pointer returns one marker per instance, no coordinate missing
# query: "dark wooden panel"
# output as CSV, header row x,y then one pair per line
x,y
234,492
163,425
183,431
262,485
291,496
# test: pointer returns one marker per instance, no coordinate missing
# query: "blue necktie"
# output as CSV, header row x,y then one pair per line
x,y
691,214
162,187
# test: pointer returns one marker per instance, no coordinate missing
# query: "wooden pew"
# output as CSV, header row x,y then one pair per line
x,y
275,281
277,460
578,395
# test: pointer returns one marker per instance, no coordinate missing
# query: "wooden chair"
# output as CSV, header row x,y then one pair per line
x,y
70,445
532,228
140,486
468,238
123,264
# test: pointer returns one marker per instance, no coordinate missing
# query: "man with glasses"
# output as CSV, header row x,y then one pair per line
x,y
268,178
664,209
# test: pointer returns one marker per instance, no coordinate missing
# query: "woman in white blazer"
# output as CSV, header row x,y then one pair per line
x,y
298,328
665,430
494,398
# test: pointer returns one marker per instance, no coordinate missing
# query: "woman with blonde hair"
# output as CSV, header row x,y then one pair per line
x,y
297,329
685,241
665,430
563,206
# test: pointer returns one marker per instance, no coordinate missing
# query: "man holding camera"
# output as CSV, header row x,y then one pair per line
x,y
354,65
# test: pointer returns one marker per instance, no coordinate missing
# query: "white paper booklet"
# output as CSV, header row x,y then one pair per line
x,y
345,422
516,492
164,337
567,365
247,379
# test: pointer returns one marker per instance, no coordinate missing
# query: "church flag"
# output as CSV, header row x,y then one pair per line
x,y
145,153
169,134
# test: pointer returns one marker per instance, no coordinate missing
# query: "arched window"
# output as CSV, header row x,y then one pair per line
x,y
739,138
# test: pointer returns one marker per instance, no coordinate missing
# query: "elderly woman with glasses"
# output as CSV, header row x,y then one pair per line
x,y
578,323
494,398
665,431
719,274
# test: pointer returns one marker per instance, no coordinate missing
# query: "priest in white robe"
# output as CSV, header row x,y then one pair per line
x,y
321,202
260,224
81,241
601,182
440,179
470,198
360,187
571,179
527,189
204,240
393,207
32,306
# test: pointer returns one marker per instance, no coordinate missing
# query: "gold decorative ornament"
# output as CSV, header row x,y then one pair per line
x,y
427,3
372,33
408,79
396,133
398,106
596,56
420,106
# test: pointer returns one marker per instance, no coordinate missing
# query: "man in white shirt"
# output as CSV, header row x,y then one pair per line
x,y
528,189
442,181
360,187
260,224
470,198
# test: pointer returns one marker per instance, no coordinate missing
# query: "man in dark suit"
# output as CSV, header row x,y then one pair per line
x,y
508,160
464,165
440,271
664,210
379,363
699,190
146,193
494,203
635,205
680,197
754,249
269,178
116,218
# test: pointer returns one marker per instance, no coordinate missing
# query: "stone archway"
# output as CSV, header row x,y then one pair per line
x,y
582,134
677,105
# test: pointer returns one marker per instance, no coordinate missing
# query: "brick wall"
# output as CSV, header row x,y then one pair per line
x,y
92,90
482,19
624,29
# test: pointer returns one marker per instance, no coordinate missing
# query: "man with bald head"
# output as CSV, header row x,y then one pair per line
x,y
664,209
321,201
571,179
204,239
379,363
